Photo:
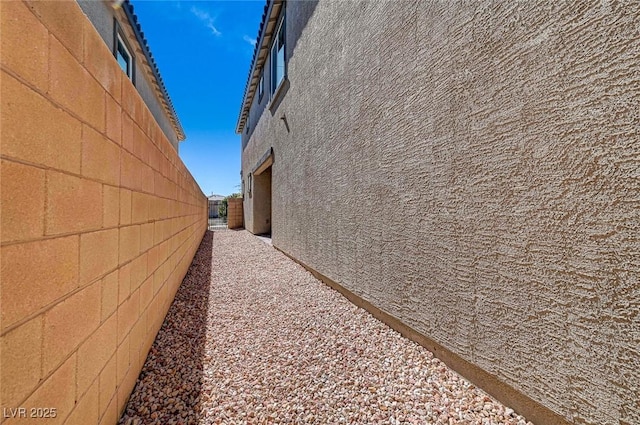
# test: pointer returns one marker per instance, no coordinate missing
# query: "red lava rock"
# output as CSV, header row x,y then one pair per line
x,y
252,337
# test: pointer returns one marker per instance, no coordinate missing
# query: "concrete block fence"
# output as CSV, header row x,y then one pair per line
x,y
100,219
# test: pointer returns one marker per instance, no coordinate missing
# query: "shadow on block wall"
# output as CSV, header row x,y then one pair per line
x,y
170,382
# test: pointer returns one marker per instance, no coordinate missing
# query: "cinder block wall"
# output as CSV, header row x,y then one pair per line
x,y
234,213
472,169
100,218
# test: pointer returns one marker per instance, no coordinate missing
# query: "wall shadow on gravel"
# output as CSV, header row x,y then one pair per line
x,y
169,385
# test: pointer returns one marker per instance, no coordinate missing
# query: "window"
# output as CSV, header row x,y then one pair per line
x,y
278,70
122,52
124,57
261,87
249,184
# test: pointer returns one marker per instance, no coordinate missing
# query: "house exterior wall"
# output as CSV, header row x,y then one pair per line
x,y
102,17
296,19
503,138
100,219
257,108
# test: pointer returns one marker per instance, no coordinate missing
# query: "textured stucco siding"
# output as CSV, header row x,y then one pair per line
x,y
474,171
258,107
297,16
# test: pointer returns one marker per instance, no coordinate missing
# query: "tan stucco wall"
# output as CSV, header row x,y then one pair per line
x,y
99,219
472,170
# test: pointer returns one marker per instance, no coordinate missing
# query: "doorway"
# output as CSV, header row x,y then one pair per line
x,y
262,202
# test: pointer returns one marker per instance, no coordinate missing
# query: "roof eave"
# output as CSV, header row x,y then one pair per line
x,y
269,16
161,89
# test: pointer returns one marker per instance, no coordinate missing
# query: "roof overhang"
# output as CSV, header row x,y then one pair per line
x,y
125,14
269,20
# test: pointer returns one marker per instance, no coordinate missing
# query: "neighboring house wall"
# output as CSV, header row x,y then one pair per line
x,y
215,201
100,218
213,210
503,139
214,207
101,15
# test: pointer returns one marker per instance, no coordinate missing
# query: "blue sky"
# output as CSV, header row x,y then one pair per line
x,y
203,50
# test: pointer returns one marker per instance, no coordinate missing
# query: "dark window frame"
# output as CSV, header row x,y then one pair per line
x,y
261,87
276,45
120,40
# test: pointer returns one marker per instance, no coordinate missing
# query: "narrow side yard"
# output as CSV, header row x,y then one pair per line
x,y
254,338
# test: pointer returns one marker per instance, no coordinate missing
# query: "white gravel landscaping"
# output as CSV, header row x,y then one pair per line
x,y
253,338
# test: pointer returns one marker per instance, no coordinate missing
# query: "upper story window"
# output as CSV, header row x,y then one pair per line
x,y
278,68
261,87
125,60
122,51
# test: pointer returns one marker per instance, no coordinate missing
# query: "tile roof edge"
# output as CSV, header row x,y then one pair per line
x,y
169,108
259,40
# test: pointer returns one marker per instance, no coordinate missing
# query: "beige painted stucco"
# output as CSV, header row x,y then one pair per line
x,y
473,170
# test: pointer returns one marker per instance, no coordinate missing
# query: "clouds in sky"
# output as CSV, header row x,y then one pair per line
x,y
249,40
207,19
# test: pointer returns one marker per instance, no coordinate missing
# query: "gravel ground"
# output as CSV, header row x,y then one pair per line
x,y
254,338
